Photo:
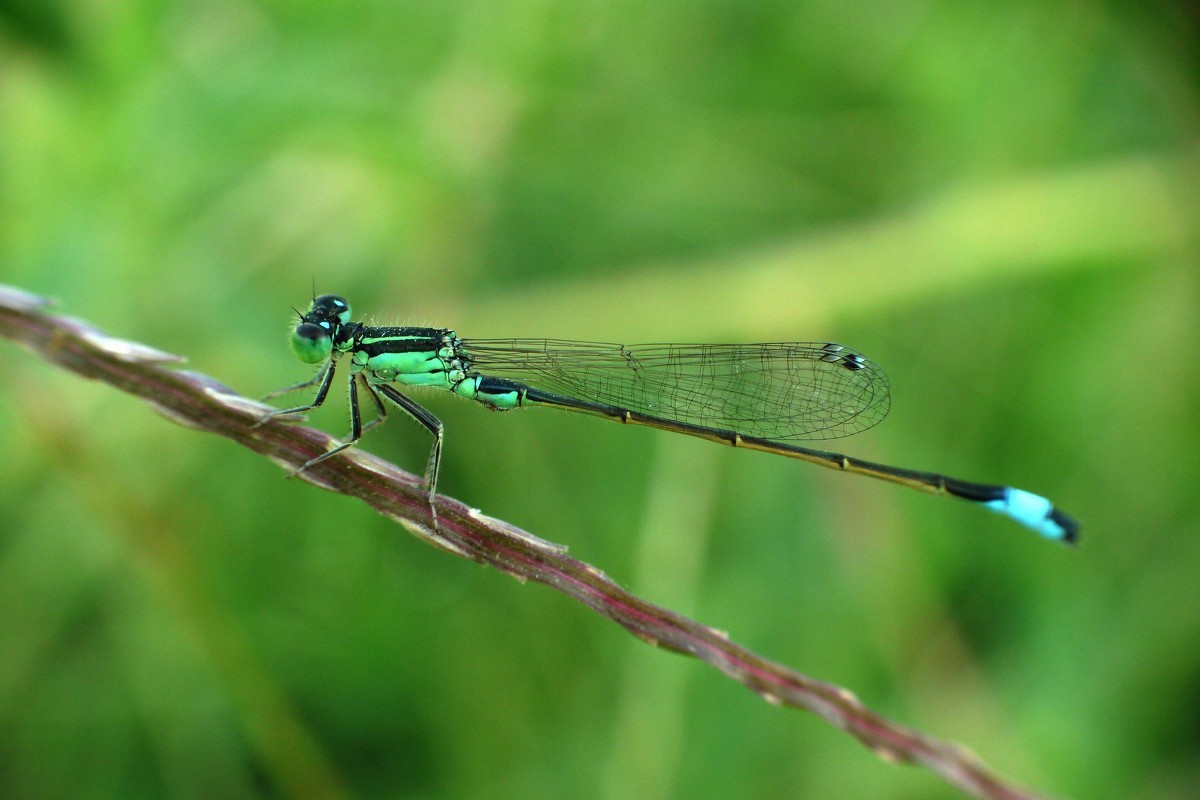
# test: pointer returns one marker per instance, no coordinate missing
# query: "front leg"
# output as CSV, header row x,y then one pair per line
x,y
326,376
295,387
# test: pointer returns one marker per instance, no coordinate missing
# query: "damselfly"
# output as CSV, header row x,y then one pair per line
x,y
757,396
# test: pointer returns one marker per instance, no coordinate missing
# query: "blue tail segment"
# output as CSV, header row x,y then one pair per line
x,y
1036,513
1031,510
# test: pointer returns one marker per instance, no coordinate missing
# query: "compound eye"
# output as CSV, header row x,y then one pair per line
x,y
311,342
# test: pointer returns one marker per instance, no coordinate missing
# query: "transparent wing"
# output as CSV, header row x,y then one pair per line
x,y
782,391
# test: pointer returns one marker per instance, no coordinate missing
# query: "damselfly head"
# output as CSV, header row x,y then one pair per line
x,y
312,339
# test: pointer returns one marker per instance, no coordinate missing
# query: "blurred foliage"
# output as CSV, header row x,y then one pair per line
x,y
996,202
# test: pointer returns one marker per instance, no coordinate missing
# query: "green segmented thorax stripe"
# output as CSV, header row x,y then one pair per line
x,y
408,356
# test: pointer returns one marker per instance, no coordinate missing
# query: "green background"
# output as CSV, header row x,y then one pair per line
x,y
997,202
